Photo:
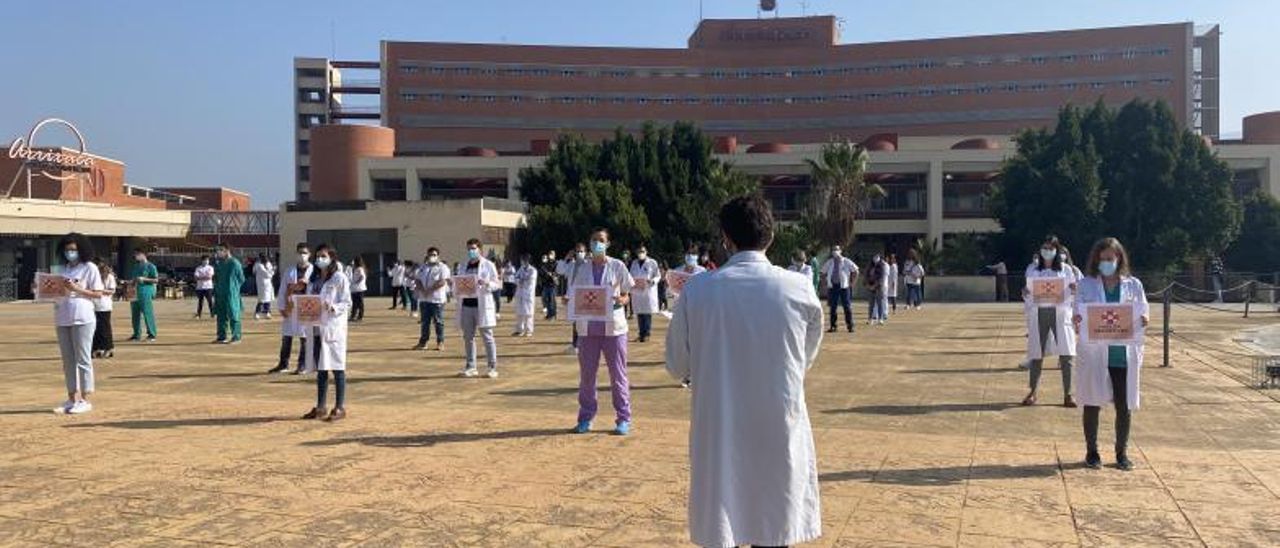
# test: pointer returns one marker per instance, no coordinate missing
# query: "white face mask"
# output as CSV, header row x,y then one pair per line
x,y
323,262
581,255
1048,254
433,259
303,258
642,255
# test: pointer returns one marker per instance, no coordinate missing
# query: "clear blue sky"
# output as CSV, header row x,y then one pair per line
x,y
198,93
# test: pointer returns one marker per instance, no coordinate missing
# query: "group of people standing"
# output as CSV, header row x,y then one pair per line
x,y
884,276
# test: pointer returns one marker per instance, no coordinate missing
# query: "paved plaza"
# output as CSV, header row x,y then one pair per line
x,y
919,435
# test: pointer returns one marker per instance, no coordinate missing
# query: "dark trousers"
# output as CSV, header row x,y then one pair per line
x,y
262,308
339,387
574,340
509,290
397,293
357,305
432,315
837,296
1002,287
646,325
549,300
497,302
286,347
203,295
1120,396
102,339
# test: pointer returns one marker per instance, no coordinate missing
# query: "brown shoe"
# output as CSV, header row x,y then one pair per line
x,y
1069,402
337,414
1029,400
314,413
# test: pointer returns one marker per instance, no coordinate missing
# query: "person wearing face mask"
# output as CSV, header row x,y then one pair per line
x,y
913,278
227,281
1109,373
433,293
573,263
293,281
397,273
478,313
604,337
748,334
263,271
204,286
877,291
840,272
75,322
800,265
1049,327
104,345
644,296
145,277
526,290
690,267
548,280
329,356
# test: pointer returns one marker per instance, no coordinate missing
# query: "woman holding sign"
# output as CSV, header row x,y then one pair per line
x,y
644,296
335,298
73,293
1112,305
598,293
1051,284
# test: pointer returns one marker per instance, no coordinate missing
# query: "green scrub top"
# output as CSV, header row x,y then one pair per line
x,y
1117,356
146,290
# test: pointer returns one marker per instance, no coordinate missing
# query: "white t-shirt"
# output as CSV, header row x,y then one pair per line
x,y
428,275
78,309
104,303
204,277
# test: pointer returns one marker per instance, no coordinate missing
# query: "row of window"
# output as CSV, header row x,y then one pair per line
x,y
720,100
902,65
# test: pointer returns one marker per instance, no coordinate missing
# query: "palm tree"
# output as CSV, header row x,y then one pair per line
x,y
840,192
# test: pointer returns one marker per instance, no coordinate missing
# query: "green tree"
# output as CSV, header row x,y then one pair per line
x,y
839,193
1258,248
591,204
673,177
1132,173
787,240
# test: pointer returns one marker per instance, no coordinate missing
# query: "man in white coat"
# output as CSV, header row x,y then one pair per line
x,y
263,270
644,296
840,273
526,291
747,333
293,281
478,313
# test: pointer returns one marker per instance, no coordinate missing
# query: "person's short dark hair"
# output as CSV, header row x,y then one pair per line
x,y
84,249
323,247
474,241
357,262
221,245
748,222
301,246
433,249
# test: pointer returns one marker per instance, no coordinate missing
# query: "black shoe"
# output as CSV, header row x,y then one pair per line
x,y
133,339
278,369
1123,462
832,330
1093,461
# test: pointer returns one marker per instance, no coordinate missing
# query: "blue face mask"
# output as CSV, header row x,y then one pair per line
x,y
473,254
72,255
1108,268
691,260
1048,254
598,248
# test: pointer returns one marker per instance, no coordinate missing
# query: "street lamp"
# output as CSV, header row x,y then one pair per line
x,y
217,229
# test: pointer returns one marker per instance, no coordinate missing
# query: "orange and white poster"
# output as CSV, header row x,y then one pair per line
x,y
464,286
591,303
50,287
641,284
1111,323
676,280
1048,291
310,309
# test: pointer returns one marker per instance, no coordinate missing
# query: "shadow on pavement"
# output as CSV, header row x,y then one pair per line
x,y
428,440
957,371
969,352
944,475
27,412
927,409
229,375
33,359
179,423
400,378
566,390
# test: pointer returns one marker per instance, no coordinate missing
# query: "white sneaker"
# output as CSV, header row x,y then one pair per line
x,y
493,373
470,373
80,407
62,409
572,350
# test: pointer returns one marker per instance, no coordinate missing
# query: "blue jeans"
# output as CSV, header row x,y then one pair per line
x,y
432,314
915,297
878,306
838,296
646,325
549,300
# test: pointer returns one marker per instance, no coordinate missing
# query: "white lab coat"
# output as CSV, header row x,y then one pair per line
x,y
336,294
645,301
616,276
289,322
892,280
1093,382
526,280
913,273
746,335
487,281
848,272
1062,342
397,275
359,279
802,269
262,273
